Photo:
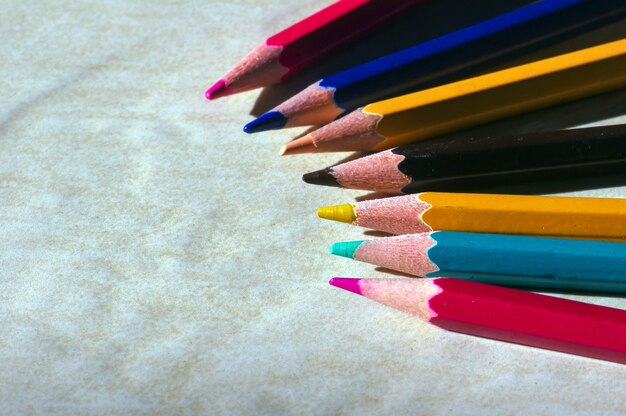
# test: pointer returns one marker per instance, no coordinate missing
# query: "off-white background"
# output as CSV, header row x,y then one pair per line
x,y
156,260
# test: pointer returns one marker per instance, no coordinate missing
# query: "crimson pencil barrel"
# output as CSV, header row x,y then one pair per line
x,y
503,314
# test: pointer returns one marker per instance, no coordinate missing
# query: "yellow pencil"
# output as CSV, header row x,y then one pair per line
x,y
470,102
594,218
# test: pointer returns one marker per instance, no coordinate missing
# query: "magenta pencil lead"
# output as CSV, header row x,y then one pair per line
x,y
218,90
349,284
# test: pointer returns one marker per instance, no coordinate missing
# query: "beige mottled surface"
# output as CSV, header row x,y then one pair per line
x,y
155,260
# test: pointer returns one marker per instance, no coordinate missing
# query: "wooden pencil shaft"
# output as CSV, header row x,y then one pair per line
x,y
531,319
501,94
467,51
473,101
447,58
518,214
507,260
593,218
560,177
460,163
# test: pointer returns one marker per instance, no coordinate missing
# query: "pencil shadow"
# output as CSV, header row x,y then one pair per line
x,y
556,187
375,233
305,132
351,157
420,24
608,33
573,292
581,112
395,272
372,195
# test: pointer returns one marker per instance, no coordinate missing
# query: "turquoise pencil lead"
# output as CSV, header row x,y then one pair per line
x,y
345,249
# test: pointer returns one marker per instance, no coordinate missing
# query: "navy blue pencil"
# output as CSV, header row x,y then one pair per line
x,y
441,60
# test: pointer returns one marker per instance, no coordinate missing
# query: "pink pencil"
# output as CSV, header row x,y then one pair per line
x,y
504,314
305,42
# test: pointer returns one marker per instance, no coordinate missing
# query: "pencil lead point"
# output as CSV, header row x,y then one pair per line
x,y
219,89
349,284
321,177
272,120
342,213
345,248
299,146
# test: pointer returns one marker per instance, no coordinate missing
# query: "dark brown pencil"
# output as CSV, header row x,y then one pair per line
x,y
460,163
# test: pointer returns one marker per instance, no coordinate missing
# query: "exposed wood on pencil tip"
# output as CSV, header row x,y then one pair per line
x,y
315,105
354,132
377,172
320,177
258,69
302,145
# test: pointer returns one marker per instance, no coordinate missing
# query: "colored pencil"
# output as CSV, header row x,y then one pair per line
x,y
305,42
594,218
445,59
503,314
461,163
470,102
502,259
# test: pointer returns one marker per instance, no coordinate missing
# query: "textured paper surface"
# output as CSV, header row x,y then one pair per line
x,y
156,260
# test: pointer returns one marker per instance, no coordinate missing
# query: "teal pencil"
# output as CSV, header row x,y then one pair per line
x,y
507,260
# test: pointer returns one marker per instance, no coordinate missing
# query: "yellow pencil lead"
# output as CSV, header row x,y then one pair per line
x,y
342,213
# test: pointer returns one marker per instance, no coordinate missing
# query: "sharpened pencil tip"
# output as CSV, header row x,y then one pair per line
x,y
321,177
272,120
219,89
345,248
342,213
304,144
345,283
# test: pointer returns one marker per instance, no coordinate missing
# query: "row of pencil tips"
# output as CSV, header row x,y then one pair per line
x,y
367,106
556,243
467,249
473,272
